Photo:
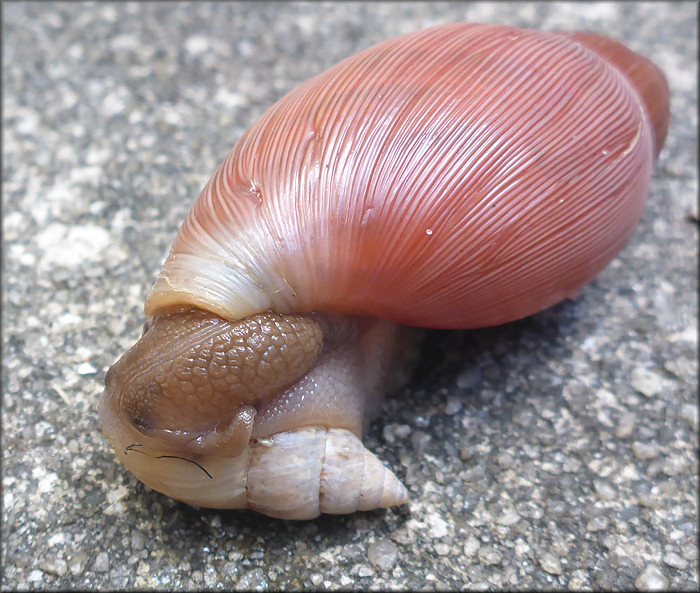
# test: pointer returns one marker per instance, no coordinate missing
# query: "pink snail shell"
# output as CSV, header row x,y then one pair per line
x,y
461,176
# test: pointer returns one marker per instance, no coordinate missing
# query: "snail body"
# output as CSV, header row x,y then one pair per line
x,y
462,176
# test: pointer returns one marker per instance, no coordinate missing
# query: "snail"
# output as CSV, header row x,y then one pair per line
x,y
462,176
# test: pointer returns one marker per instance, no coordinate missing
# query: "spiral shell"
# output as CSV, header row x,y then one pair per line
x,y
458,177
481,172
322,471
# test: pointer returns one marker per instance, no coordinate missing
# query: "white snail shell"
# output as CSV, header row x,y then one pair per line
x,y
462,176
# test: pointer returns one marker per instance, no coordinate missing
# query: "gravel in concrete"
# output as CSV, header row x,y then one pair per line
x,y
556,452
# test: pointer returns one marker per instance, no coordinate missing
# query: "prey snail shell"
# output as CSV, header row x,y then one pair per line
x,y
458,177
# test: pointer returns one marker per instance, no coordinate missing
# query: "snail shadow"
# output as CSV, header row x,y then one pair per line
x,y
250,529
461,362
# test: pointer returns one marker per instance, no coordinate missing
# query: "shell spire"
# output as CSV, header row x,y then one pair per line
x,y
302,473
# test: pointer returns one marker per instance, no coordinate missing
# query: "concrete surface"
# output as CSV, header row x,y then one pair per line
x,y
556,452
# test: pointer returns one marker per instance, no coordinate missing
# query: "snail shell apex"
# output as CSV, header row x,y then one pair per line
x,y
462,176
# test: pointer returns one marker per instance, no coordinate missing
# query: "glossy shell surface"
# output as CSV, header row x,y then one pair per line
x,y
461,176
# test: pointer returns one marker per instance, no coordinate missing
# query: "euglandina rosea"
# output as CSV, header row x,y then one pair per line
x,y
458,177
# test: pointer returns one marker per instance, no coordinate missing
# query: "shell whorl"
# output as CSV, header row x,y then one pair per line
x,y
462,176
303,473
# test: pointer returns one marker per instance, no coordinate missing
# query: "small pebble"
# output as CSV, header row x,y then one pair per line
x,y
629,473
451,450
56,566
196,45
362,570
646,382
76,564
597,523
453,405
508,518
557,508
490,555
86,368
117,494
442,549
138,541
673,466
674,560
71,246
609,542
101,562
473,474
471,546
607,398
570,465
689,415
316,579
645,450
579,580
504,459
212,577
649,500
655,468
521,548
392,432
196,577
651,579
550,563
383,554
252,579
420,441
438,527
625,426
467,452
35,576
604,490
230,570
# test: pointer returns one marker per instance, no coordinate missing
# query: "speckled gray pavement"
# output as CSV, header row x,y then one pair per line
x,y
556,452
